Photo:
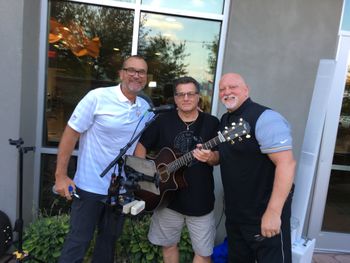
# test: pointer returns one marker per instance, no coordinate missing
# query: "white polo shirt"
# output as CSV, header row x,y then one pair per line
x,y
106,120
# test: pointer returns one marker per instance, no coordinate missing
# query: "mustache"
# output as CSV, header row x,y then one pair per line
x,y
229,97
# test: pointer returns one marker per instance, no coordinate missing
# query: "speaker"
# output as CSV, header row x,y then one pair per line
x,y
5,233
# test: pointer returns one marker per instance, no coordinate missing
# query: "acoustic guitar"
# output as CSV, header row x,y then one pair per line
x,y
171,176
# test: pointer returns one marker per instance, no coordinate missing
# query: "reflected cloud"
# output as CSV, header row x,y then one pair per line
x,y
208,6
163,23
170,19
156,3
198,2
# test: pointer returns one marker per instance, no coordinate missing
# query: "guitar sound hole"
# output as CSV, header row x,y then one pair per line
x,y
163,173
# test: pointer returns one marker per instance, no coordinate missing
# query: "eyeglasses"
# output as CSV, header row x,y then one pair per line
x,y
190,94
132,72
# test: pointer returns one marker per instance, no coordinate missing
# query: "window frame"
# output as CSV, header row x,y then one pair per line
x,y
138,8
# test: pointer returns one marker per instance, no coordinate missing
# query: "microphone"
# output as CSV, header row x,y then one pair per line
x,y
163,108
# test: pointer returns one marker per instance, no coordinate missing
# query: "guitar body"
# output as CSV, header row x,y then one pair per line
x,y
169,167
168,182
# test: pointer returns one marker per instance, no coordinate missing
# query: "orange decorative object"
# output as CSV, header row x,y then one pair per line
x,y
74,38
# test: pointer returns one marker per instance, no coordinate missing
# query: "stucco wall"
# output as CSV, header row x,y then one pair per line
x,y
29,100
277,45
11,21
18,101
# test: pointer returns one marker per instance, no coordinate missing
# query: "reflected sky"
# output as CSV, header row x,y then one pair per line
x,y
197,33
208,6
346,17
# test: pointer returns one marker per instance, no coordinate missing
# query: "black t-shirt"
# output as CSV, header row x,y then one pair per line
x,y
168,130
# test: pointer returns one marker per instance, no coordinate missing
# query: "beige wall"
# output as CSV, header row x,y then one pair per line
x,y
19,20
277,45
11,27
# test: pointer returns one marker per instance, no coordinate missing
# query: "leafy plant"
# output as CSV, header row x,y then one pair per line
x,y
44,239
134,247
134,244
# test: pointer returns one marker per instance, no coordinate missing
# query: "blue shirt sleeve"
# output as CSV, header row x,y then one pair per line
x,y
273,132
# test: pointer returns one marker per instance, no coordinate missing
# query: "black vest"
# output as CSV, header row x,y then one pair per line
x,y
247,174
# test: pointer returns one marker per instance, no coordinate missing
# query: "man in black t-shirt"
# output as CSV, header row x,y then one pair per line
x,y
184,131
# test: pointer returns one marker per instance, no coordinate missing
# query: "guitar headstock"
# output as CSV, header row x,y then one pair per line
x,y
236,131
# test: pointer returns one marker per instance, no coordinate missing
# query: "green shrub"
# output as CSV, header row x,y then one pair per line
x,y
133,246
44,239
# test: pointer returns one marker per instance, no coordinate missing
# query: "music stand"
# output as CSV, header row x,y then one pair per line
x,y
144,171
115,180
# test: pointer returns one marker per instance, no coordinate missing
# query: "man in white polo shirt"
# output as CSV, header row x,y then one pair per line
x,y
104,121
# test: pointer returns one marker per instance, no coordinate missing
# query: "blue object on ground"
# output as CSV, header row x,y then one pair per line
x,y
220,253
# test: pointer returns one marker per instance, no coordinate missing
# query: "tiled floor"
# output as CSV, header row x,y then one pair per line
x,y
331,258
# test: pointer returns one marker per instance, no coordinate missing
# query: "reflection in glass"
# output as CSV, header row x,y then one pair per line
x,y
49,202
86,47
207,6
346,17
176,46
126,1
337,211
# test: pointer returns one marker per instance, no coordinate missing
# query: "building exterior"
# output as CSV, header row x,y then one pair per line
x,y
276,45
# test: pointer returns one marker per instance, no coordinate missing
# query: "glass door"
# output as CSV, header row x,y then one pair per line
x,y
330,213
336,216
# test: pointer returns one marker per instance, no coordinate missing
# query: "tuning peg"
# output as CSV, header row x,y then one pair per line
x,y
240,119
232,142
240,139
248,136
226,127
228,138
236,135
233,124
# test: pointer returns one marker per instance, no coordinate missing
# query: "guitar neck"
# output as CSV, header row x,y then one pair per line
x,y
188,157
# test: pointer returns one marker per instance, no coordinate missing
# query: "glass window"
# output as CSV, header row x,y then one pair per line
x,y
207,6
48,201
337,209
346,17
126,1
86,44
176,46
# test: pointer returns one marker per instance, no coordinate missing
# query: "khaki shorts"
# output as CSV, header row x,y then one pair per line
x,y
167,224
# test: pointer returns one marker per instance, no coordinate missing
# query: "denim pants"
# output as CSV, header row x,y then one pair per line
x,y
87,213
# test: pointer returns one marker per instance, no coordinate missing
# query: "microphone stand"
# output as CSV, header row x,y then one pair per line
x,y
20,255
115,180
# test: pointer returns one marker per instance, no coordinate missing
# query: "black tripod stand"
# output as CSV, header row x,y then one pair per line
x,y
19,255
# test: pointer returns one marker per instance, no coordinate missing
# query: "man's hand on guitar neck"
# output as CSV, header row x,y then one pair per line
x,y
206,156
